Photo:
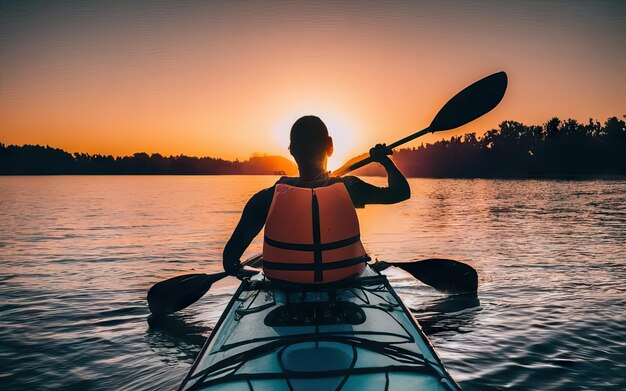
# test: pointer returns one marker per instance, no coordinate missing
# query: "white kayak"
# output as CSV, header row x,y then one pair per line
x,y
352,335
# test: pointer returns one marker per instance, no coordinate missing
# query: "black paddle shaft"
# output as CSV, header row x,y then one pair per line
x,y
471,103
445,275
176,293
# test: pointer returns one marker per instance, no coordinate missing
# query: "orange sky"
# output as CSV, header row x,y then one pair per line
x,y
228,79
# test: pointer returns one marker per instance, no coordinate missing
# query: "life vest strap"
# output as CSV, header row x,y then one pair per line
x,y
312,247
311,266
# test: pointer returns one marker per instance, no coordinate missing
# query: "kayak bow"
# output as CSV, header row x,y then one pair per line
x,y
351,335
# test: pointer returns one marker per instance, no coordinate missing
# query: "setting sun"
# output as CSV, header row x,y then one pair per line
x,y
343,129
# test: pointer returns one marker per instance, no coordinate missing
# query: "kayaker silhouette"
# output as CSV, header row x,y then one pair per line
x,y
311,227
311,232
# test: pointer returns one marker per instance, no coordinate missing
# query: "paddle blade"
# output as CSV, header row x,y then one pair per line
x,y
179,292
445,275
471,103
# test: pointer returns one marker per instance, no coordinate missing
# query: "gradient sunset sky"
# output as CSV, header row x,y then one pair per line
x,y
228,79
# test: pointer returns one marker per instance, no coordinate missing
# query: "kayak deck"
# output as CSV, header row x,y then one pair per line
x,y
356,334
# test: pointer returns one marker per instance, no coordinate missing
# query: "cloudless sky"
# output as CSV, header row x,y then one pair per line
x,y
228,79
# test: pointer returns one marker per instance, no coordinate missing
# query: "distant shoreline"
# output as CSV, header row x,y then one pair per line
x,y
556,150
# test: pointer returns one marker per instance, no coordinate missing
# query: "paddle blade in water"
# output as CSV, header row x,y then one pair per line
x,y
445,275
179,292
471,103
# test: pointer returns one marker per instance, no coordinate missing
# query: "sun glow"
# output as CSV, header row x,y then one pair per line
x,y
228,79
341,128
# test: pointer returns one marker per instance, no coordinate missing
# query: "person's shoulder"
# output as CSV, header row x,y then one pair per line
x,y
287,180
264,194
270,190
350,180
260,202
357,189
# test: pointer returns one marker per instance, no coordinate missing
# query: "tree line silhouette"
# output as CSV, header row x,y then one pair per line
x,y
40,160
557,149
513,150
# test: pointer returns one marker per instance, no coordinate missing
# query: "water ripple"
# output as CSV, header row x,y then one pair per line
x,y
79,253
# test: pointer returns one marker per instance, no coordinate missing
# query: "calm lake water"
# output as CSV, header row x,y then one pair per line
x,y
78,254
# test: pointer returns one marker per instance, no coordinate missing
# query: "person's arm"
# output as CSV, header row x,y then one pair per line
x,y
397,186
363,193
249,226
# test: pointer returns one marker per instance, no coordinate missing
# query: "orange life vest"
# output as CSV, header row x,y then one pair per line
x,y
312,235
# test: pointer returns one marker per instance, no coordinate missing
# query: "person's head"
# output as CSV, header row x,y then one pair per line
x,y
309,141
